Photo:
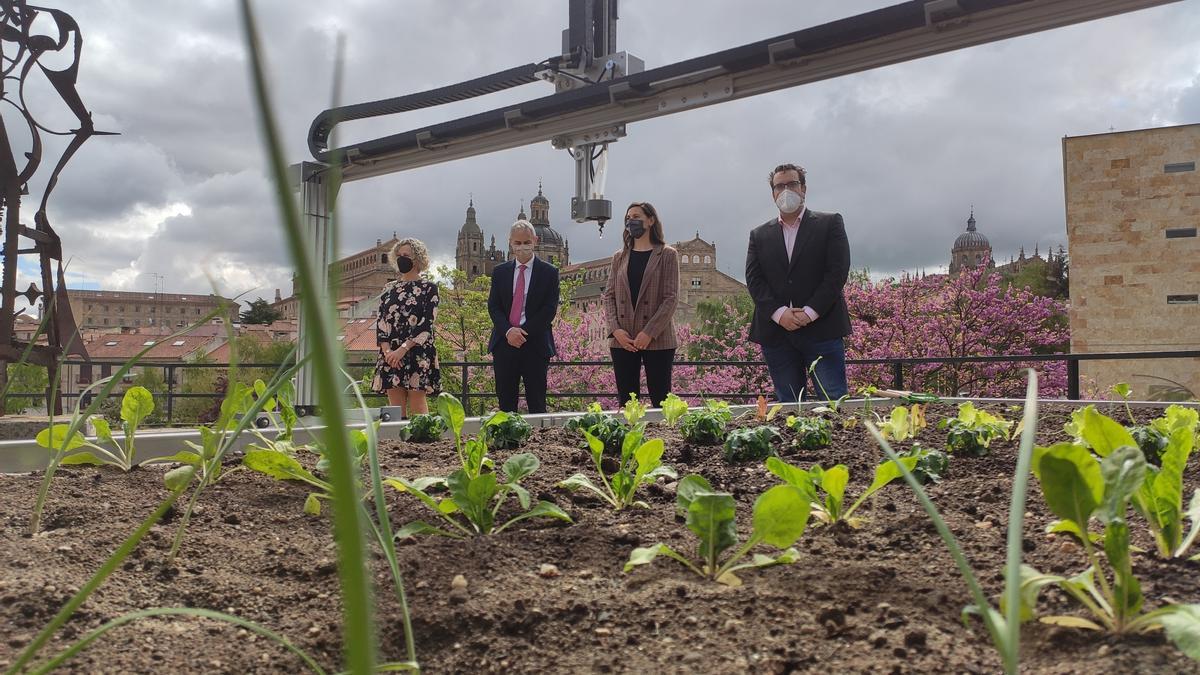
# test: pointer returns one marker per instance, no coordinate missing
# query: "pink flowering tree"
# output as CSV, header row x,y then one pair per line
x,y
949,317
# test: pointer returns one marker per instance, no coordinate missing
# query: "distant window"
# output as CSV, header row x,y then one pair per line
x,y
120,308
89,306
1180,232
978,258
1192,299
474,269
181,324
687,259
137,309
197,311
147,343
1179,167
341,337
695,282
383,258
110,343
106,321
179,343
152,310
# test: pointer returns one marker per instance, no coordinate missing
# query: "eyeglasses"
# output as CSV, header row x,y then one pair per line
x,y
794,185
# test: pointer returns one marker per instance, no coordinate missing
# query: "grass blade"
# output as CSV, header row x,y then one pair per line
x,y
358,629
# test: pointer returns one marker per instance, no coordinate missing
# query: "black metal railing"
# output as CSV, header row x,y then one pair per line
x,y
897,366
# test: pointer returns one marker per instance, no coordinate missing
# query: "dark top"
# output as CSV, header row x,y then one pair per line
x,y
812,277
637,269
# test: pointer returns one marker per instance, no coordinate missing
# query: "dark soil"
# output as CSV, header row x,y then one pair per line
x,y
883,599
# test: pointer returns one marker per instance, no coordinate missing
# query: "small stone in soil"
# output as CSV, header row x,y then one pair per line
x,y
459,582
547,571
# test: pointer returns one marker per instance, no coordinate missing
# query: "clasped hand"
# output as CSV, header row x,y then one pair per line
x,y
794,319
395,356
631,344
516,336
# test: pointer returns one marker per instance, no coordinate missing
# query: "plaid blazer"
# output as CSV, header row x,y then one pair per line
x,y
655,310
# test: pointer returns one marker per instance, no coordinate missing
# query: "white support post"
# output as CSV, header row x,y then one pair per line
x,y
309,179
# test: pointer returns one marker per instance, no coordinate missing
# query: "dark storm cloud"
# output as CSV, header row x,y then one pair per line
x,y
902,152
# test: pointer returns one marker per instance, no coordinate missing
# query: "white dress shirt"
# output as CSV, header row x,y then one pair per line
x,y
528,275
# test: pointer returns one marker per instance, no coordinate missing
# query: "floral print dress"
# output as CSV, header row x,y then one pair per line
x,y
407,310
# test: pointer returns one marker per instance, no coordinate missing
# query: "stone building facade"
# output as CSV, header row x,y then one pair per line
x,y
107,311
970,249
699,279
1133,209
360,276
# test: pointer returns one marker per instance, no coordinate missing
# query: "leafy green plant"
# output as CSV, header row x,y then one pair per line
x,y
973,430
751,444
931,464
780,517
474,503
136,406
506,431
277,460
634,410
1123,390
640,464
1159,497
832,482
1003,626
903,423
1077,488
673,408
426,428
812,433
1154,437
706,426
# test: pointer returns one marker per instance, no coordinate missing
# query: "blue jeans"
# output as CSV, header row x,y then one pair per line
x,y
789,364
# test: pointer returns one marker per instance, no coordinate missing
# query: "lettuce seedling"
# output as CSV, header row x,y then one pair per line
x,y
751,444
606,428
426,428
1077,488
641,463
706,426
474,503
1123,390
832,482
812,433
1159,497
903,423
506,431
634,410
673,408
931,464
136,406
275,458
780,517
973,430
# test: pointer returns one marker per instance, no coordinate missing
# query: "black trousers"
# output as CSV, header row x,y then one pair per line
x,y
627,367
511,365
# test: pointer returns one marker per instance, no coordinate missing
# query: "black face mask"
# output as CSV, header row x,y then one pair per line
x,y
636,227
404,264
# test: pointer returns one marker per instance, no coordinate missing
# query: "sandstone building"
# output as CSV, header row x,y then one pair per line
x,y
472,257
1133,208
107,311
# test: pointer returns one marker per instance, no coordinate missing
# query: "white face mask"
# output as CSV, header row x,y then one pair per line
x,y
522,250
789,202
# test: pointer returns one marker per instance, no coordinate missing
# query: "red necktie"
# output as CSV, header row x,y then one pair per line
x,y
518,307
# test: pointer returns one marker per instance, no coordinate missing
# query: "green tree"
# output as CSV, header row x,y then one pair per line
x,y
260,311
25,378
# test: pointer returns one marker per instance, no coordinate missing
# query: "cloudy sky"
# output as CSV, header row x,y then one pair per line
x,y
902,152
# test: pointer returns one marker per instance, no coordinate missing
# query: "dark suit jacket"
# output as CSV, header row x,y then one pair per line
x,y
541,304
814,277
656,301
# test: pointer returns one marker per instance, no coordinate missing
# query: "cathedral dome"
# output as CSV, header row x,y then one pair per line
x,y
470,226
971,239
548,236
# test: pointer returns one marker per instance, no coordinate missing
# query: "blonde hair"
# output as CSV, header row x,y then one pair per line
x,y
420,253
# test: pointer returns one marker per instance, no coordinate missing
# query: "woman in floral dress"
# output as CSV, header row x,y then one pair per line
x,y
407,368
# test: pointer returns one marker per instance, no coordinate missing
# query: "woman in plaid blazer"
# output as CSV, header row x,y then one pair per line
x,y
639,304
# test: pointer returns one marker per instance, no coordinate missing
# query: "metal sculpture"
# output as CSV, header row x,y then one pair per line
x,y
22,48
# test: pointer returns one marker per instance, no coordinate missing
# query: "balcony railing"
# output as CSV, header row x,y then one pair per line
x,y
896,365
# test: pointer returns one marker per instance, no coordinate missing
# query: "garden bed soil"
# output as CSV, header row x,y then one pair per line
x,y
883,599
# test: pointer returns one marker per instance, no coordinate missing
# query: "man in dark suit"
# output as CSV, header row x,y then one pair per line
x,y
522,304
796,266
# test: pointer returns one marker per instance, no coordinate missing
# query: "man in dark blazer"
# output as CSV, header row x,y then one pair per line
x,y
796,267
522,304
